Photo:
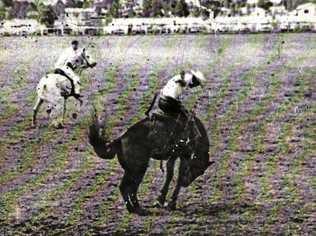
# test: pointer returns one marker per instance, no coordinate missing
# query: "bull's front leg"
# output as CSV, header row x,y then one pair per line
x,y
170,169
181,179
173,203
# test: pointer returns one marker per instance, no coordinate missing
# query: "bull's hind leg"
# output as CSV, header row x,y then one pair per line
x,y
170,168
36,107
129,187
183,165
125,191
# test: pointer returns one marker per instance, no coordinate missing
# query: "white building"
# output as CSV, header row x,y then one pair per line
x,y
258,12
80,21
306,11
156,25
278,10
21,27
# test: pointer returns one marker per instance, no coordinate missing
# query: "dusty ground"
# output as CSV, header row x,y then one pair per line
x,y
258,107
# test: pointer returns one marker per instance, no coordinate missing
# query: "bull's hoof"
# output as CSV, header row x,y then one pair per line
x,y
141,211
59,126
172,206
137,210
158,204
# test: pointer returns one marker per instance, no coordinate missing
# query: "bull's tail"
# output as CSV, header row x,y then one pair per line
x,y
102,147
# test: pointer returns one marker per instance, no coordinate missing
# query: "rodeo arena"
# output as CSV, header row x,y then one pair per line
x,y
89,21
118,117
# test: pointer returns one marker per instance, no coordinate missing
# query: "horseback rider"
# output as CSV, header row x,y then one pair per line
x,y
169,99
65,66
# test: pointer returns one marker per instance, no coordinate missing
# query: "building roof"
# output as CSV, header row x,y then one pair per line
x,y
79,10
161,20
306,5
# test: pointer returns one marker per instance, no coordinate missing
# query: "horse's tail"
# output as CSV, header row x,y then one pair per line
x,y
102,147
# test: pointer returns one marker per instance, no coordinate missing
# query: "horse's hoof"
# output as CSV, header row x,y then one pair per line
x,y
140,211
59,126
74,115
158,204
171,206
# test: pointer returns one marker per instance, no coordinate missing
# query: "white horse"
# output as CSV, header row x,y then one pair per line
x,y
55,89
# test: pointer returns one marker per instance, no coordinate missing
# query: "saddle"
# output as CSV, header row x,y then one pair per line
x,y
171,133
176,118
66,93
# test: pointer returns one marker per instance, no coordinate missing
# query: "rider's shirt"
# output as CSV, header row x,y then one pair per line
x,y
69,55
175,86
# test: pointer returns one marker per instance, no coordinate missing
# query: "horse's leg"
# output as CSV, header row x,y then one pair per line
x,y
129,186
56,112
79,103
125,190
172,204
137,178
36,107
64,110
163,193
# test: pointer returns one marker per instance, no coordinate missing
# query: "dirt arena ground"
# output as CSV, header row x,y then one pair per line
x,y
258,107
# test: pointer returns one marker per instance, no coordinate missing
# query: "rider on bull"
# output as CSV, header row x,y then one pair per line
x,y
65,66
169,99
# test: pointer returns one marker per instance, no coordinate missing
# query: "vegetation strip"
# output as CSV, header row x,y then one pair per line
x,y
232,111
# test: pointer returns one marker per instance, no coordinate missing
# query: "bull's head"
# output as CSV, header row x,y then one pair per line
x,y
195,167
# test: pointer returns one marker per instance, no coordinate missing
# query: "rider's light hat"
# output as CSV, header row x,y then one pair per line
x,y
199,76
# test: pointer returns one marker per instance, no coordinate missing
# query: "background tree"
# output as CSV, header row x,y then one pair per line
x,y
213,5
7,3
147,6
74,3
87,3
156,8
2,11
265,4
115,9
46,14
49,16
181,9
196,11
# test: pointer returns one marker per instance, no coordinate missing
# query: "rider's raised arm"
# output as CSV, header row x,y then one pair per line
x,y
152,104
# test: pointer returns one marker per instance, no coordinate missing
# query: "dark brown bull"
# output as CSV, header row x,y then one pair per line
x,y
160,138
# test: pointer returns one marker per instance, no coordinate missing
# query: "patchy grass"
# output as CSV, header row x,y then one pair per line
x,y
257,105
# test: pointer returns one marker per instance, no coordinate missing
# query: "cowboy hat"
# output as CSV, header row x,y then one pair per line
x,y
199,76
